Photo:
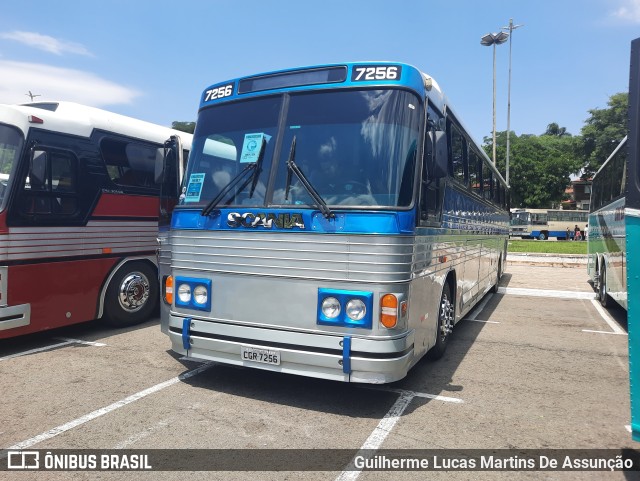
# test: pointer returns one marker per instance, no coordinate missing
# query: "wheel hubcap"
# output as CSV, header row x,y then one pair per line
x,y
133,292
446,316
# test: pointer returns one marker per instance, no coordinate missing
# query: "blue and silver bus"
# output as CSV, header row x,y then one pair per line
x,y
334,221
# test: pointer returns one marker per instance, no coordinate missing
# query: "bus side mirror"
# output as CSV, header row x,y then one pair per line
x,y
440,167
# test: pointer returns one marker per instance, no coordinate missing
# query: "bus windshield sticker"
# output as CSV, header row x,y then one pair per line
x,y
194,188
251,147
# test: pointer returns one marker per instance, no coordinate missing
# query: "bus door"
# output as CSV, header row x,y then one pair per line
x,y
168,170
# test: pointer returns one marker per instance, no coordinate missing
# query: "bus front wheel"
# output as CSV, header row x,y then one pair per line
x,y
446,318
542,236
132,295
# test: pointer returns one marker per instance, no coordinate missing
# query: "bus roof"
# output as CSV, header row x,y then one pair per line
x,y
81,120
315,77
364,74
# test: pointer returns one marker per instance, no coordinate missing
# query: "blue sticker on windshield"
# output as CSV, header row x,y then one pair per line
x,y
251,148
194,188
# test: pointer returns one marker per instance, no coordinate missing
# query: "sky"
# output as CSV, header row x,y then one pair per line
x,y
151,59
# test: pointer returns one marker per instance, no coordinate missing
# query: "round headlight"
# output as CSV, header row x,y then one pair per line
x,y
331,307
356,309
184,293
200,295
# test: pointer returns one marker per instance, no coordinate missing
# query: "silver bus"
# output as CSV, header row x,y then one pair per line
x,y
334,221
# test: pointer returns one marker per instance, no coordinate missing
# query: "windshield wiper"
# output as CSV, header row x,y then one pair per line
x,y
292,167
257,169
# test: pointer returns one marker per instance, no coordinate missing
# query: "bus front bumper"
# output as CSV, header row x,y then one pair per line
x,y
326,356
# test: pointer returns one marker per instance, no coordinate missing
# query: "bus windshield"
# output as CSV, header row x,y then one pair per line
x,y
10,149
357,148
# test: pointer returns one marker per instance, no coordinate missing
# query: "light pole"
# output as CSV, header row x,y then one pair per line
x,y
511,28
489,40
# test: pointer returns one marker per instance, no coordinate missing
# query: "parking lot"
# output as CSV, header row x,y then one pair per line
x,y
538,365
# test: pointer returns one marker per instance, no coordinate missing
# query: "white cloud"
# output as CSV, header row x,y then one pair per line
x,y
46,43
629,11
55,83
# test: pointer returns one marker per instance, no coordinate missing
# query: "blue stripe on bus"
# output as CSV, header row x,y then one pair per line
x,y
290,220
346,355
411,78
186,323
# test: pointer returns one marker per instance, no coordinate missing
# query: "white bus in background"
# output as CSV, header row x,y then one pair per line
x,y
545,223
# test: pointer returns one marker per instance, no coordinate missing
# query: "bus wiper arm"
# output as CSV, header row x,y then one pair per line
x,y
292,167
257,169
227,188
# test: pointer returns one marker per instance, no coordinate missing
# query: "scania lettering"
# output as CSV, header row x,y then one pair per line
x,y
333,221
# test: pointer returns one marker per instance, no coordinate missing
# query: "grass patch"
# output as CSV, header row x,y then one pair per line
x,y
547,247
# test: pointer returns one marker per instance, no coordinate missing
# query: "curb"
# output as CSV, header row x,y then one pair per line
x,y
550,260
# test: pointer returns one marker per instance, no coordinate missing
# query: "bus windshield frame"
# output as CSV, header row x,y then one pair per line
x,y
357,147
11,145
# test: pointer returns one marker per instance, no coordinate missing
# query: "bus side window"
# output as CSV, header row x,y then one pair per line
x,y
430,198
458,149
129,164
50,187
475,170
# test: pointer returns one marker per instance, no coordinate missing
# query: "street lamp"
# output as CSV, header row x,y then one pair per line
x,y
511,28
489,40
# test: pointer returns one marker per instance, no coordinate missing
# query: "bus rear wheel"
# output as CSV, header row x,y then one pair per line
x,y
603,297
132,295
446,318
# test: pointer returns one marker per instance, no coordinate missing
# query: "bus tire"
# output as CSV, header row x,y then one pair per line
x,y
542,236
446,318
495,287
603,297
132,295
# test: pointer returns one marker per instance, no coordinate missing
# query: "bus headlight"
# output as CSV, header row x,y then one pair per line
x,y
200,295
355,309
331,307
184,293
193,293
344,308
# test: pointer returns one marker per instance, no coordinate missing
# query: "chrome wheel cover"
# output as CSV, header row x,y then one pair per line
x,y
133,292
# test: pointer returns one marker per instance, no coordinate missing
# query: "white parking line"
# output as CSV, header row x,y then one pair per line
x,y
415,394
33,351
65,342
107,409
377,437
521,291
485,322
608,319
80,341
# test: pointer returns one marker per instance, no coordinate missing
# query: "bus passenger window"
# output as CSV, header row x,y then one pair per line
x,y
129,164
458,154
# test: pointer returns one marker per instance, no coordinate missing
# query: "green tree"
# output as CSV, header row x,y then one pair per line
x,y
555,130
603,131
539,166
188,127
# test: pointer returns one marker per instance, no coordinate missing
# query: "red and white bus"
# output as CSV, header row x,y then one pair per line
x,y
79,208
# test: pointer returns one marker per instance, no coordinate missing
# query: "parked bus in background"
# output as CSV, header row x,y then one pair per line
x,y
333,222
632,231
78,216
607,263
544,223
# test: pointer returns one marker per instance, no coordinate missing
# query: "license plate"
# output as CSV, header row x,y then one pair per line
x,y
266,356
